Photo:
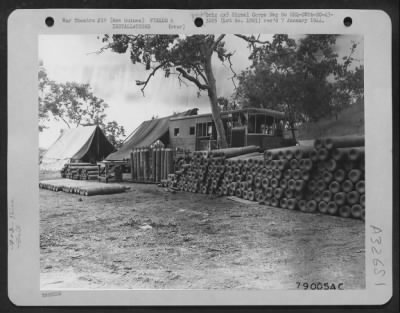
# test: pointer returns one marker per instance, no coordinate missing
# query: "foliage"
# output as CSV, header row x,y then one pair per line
x,y
226,105
43,107
69,102
75,105
114,133
304,79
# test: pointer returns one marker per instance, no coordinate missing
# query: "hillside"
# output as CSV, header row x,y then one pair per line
x,y
350,121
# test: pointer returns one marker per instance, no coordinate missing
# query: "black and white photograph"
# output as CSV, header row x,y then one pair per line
x,y
201,162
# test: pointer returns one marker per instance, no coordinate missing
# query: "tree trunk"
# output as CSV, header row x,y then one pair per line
x,y
212,95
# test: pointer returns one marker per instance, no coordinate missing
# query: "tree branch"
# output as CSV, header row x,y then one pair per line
x,y
101,50
216,42
180,79
200,72
251,40
144,83
192,79
228,57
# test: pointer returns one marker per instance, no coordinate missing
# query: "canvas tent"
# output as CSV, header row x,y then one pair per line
x,y
82,144
146,134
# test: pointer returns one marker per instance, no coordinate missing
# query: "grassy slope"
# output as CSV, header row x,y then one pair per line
x,y
350,122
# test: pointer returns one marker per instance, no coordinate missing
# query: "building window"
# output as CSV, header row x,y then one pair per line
x,y
260,124
176,131
251,127
191,130
206,130
239,119
209,129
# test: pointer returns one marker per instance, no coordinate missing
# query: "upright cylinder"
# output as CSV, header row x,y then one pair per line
x,y
146,165
165,175
142,164
132,165
162,156
170,161
153,165
158,164
137,165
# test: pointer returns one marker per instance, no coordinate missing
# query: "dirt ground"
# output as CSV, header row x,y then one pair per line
x,y
150,238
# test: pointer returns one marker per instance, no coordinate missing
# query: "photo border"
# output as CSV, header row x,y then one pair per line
x,y
395,165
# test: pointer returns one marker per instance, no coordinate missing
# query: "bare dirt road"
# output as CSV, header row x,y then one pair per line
x,y
150,238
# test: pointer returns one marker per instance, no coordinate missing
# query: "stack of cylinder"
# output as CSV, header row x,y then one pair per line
x,y
81,188
89,172
202,173
337,185
243,176
281,179
80,171
205,171
151,165
327,178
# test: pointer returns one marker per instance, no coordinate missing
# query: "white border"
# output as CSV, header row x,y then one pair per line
x,y
24,26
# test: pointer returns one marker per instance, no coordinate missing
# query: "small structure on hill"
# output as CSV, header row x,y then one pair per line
x,y
83,144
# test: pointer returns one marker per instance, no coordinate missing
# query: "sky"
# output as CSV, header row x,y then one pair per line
x,y
112,77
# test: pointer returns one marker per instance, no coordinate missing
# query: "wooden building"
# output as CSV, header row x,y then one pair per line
x,y
243,127
191,131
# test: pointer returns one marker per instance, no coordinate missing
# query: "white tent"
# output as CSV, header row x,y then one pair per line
x,y
82,144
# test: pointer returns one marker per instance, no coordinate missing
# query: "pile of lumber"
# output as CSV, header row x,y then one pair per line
x,y
151,165
80,171
81,187
327,178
